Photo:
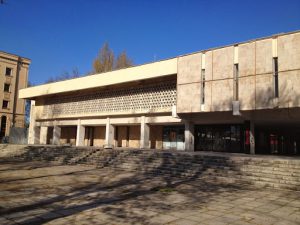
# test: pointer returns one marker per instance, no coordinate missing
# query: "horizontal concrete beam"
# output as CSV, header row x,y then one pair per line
x,y
113,121
142,72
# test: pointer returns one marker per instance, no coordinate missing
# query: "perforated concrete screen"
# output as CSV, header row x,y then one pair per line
x,y
158,97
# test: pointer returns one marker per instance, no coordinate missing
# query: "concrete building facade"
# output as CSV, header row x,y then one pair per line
x,y
13,77
238,98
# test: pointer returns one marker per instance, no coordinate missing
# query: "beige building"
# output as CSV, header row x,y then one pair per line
x,y
243,97
14,76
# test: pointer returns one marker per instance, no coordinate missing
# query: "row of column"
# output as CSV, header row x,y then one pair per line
x,y
41,134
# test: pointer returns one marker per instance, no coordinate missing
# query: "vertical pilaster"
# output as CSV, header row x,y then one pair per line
x,y
252,137
80,134
189,136
31,131
109,134
36,133
43,135
56,135
145,133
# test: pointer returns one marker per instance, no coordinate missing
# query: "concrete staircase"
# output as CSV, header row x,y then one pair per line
x,y
264,171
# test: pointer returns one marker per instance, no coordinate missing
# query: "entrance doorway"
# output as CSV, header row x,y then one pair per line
x,y
278,140
173,137
3,127
122,135
219,138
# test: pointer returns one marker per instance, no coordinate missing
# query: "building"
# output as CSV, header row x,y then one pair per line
x,y
13,77
243,97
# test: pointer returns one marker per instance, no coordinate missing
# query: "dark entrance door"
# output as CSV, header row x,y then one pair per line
x,y
219,138
3,127
173,137
281,140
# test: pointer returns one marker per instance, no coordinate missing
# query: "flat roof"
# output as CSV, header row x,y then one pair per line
x,y
143,72
14,56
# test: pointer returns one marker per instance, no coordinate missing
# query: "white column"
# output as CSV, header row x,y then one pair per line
x,y
43,135
36,133
189,136
56,135
145,133
252,138
31,131
109,134
80,134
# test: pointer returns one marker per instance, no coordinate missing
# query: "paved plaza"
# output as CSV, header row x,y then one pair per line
x,y
41,193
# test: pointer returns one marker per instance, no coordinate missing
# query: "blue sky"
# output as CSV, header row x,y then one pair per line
x,y
59,35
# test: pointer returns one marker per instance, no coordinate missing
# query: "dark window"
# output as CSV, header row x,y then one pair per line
x,y
203,86
4,104
173,137
236,82
276,87
6,87
3,126
219,138
8,71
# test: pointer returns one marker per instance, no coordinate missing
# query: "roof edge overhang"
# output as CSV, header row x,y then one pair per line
x,y
143,72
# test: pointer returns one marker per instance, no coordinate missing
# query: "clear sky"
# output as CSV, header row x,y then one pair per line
x,y
59,35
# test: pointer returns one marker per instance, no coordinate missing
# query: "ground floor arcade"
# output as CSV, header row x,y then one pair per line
x,y
169,133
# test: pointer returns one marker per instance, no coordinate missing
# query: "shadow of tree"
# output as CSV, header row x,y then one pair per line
x,y
156,182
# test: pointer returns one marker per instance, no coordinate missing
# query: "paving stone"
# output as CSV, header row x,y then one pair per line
x,y
6,221
286,222
50,215
27,220
163,219
284,211
97,196
294,216
183,222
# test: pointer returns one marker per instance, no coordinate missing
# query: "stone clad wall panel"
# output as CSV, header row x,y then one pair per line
x,y
188,98
223,63
188,69
289,52
264,91
246,59
222,92
264,63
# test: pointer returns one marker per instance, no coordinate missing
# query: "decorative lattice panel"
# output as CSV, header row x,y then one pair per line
x,y
153,98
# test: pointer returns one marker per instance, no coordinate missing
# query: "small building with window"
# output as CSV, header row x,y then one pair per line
x,y
13,77
243,97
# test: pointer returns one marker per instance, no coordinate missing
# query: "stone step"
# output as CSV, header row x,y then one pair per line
x,y
261,171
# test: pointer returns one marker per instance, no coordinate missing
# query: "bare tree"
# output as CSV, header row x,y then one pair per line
x,y
64,76
105,60
123,61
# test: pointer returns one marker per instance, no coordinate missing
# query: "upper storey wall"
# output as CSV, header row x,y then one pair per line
x,y
255,72
157,96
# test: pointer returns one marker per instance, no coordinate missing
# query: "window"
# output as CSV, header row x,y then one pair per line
x,y
275,74
3,126
4,104
236,82
8,71
203,86
6,87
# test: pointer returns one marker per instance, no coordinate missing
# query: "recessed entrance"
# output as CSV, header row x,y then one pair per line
x,y
173,137
280,139
219,138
